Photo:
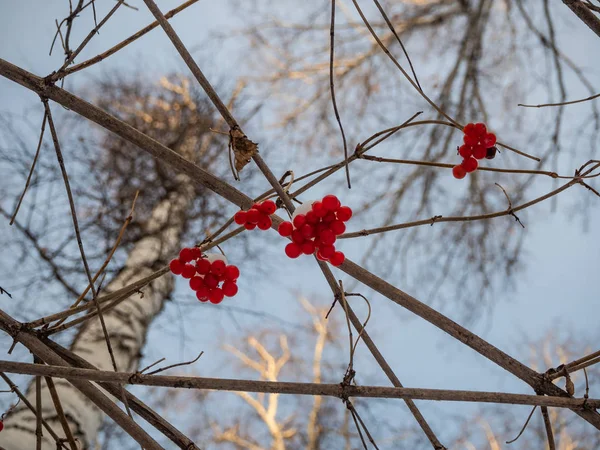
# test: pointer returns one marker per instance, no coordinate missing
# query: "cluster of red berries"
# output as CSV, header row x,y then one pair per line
x,y
315,227
257,216
206,273
478,144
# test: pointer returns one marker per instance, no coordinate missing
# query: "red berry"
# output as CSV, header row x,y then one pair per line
x,y
176,266
331,202
299,220
216,295
327,237
459,172
218,267
337,258
253,215
319,209
329,217
293,250
307,231
203,293
265,223
196,253
470,139
211,280
297,237
186,255
470,165
469,128
320,257
312,218
268,207
480,129
203,266
327,251
249,226
230,288
196,283
344,213
479,152
256,206
466,151
308,248
489,140
285,229
188,271
240,217
232,273
338,227
1,425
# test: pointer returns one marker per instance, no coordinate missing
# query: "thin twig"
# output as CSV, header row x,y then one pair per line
x,y
35,158
524,426
162,369
572,102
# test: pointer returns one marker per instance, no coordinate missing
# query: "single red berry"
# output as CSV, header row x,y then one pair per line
x,y
308,248
293,250
338,227
480,129
329,217
466,151
337,258
253,215
344,213
257,206
196,253
469,128
196,283
216,295
489,140
299,220
459,171
240,217
176,266
211,280
308,231
268,207
230,288
186,255
188,271
470,165
203,266
285,229
1,425
203,293
232,273
249,226
331,202
327,237
320,257
319,209
327,251
479,152
264,223
218,267
297,237
470,139
312,218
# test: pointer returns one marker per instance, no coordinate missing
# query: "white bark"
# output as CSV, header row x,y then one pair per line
x,y
127,325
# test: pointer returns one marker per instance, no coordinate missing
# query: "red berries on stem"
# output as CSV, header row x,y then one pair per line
x,y
206,273
315,227
477,145
257,216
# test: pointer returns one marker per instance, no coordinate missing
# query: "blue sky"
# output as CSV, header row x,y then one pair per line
x,y
557,288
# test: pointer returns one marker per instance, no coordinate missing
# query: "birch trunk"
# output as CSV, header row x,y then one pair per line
x,y
127,325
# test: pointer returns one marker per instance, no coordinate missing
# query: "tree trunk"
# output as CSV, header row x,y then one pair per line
x,y
127,325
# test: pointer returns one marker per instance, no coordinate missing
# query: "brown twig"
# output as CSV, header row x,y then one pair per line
x,y
572,102
60,413
524,426
548,426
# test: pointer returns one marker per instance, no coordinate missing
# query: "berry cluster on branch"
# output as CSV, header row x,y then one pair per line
x,y
479,143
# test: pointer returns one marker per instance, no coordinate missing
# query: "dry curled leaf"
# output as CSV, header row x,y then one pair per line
x,y
569,386
243,148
